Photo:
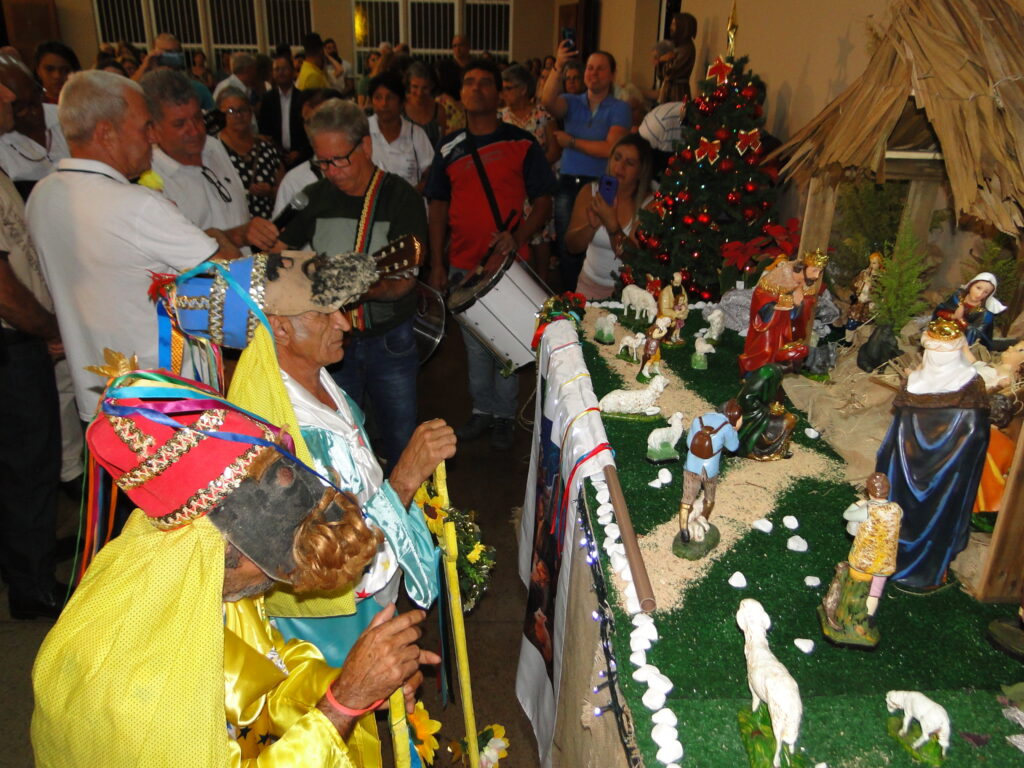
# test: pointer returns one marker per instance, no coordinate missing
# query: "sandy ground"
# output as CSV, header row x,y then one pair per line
x,y
748,494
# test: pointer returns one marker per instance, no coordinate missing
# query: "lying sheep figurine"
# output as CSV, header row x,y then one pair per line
x,y
768,679
634,400
932,717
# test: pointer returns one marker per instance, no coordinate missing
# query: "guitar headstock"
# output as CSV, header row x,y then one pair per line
x,y
400,258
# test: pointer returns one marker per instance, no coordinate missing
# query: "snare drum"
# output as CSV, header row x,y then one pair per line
x,y
499,307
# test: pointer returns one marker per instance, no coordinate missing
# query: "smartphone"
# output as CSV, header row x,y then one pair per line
x,y
608,187
172,59
569,33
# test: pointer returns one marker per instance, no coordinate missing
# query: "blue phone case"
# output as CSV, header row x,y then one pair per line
x,y
608,187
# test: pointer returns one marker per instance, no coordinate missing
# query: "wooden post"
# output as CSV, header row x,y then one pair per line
x,y
819,213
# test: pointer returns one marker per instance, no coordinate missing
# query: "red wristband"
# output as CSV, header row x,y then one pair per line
x,y
329,695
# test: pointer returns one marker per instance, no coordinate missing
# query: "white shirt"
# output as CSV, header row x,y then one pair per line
x,y
286,118
99,238
24,160
296,180
408,156
199,196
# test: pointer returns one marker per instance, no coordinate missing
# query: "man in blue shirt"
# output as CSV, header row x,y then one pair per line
x,y
594,121
709,435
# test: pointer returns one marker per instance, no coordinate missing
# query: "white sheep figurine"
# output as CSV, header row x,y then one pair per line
x,y
634,400
634,343
662,441
604,328
768,679
716,324
640,301
702,347
931,716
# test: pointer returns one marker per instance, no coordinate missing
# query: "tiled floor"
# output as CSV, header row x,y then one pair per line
x,y
479,479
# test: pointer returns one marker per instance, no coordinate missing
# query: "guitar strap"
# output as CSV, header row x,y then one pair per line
x,y
359,317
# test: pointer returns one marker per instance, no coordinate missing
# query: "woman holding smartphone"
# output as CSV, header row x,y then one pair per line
x,y
605,213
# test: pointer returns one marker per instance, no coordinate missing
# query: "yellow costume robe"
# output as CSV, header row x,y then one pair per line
x,y
147,666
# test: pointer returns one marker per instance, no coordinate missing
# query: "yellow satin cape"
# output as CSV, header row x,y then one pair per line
x,y
258,387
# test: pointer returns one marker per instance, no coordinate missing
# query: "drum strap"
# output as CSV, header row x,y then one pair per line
x,y
486,183
358,317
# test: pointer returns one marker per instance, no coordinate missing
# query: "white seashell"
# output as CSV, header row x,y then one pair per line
x,y
604,519
764,525
632,605
812,581
659,682
797,544
812,433
670,752
653,700
643,618
639,644
804,644
665,476
605,509
738,580
821,765
603,496
631,591
643,674
791,522
638,658
617,546
611,531
652,410
666,716
646,630
655,483
625,574
663,734
618,561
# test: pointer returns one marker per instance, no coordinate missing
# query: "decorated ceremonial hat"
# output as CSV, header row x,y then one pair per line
x,y
815,258
223,300
180,452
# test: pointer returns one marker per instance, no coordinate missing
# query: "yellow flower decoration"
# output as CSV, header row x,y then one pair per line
x,y
152,180
474,555
495,748
423,730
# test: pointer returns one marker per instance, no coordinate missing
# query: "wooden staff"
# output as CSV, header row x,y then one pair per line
x,y
641,581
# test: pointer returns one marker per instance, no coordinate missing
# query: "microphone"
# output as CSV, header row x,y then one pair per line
x,y
297,203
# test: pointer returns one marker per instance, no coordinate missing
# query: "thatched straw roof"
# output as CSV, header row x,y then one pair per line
x,y
962,63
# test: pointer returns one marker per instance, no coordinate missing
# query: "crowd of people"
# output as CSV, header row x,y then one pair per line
x,y
152,164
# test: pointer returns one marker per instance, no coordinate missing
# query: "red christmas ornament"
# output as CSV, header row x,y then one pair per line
x,y
749,213
627,276
726,166
734,197
703,217
688,220
722,134
765,205
720,93
662,257
672,161
706,108
683,196
686,155
749,93
750,187
654,243
684,274
653,285
719,70
705,295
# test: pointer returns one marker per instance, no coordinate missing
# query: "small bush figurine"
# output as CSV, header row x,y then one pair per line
x,y
847,614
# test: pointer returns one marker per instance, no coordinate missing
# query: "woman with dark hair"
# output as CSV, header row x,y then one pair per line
x,y
421,108
601,228
257,160
200,71
54,62
678,65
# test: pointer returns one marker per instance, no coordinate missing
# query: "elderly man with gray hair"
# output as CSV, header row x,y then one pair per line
x,y
244,76
100,237
358,207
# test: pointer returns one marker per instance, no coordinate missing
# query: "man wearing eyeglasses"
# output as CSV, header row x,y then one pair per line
x,y
358,207
197,174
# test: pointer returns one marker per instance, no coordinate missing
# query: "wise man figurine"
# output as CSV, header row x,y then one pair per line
x,y
803,316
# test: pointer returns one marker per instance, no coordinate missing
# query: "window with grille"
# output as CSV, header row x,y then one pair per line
x,y
213,25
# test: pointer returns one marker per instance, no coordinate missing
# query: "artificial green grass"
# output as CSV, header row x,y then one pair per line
x,y
932,643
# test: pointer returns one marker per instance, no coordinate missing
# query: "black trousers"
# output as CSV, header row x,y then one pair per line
x,y
30,460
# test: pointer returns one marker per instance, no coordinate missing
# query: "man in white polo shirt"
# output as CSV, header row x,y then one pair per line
x,y
197,173
100,238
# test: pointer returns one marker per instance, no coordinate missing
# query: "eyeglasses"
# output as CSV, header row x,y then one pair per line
x,y
211,177
238,111
340,161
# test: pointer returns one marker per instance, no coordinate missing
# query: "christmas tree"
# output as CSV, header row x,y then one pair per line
x,y
712,213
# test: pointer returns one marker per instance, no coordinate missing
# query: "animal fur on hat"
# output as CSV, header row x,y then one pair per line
x,y
299,282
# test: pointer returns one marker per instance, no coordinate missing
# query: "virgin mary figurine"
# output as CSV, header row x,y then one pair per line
x,y
934,453
974,308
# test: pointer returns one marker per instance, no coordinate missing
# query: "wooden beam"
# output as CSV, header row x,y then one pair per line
x,y
819,213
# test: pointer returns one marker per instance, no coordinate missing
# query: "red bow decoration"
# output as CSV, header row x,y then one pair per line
x,y
719,70
708,149
748,140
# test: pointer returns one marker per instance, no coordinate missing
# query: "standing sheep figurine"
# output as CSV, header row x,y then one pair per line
x,y
932,717
604,328
640,301
769,681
